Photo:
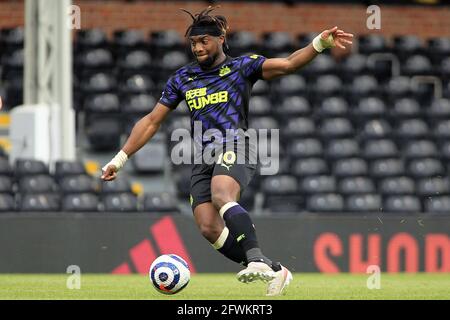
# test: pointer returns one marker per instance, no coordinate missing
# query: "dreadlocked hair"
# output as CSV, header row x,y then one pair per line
x,y
203,19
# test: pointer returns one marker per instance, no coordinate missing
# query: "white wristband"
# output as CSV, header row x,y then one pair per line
x,y
320,44
118,161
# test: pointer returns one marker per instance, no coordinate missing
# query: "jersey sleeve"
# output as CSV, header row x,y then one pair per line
x,y
252,67
171,95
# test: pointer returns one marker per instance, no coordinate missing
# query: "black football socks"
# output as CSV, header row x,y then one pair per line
x,y
239,223
227,245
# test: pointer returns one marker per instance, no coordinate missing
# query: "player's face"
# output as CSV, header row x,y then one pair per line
x,y
206,49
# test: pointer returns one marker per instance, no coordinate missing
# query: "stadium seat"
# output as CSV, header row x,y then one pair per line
x,y
7,202
280,185
324,203
445,150
441,130
305,148
98,83
135,61
363,86
317,184
276,42
371,43
353,65
378,149
27,167
405,108
129,39
375,129
65,168
402,204
348,167
398,87
341,148
383,168
119,185
417,65
301,127
136,84
292,84
160,203
242,42
362,203
103,133
425,167
436,186
5,167
323,64
263,123
173,60
326,86
91,38
356,185
309,166
292,107
437,204
151,158
407,45
120,202
289,205
164,40
439,109
259,106
40,202
102,103
98,59
261,88
80,202
420,149
369,108
6,185
332,107
78,183
39,183
412,129
333,128
401,185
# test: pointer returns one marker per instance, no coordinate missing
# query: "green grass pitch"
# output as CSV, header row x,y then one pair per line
x,y
306,286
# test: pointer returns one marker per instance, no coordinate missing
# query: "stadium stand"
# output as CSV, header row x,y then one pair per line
x,y
356,136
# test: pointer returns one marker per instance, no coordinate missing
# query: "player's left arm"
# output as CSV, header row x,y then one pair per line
x,y
277,67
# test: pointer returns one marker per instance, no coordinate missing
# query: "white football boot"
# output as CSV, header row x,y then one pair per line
x,y
256,271
280,282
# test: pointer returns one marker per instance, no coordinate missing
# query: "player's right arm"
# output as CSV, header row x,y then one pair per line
x,y
141,133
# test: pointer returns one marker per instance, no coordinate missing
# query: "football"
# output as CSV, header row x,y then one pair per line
x,y
169,274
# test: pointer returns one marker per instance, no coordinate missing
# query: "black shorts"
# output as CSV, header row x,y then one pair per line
x,y
202,175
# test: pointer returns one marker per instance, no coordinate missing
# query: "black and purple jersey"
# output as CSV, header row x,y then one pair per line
x,y
218,97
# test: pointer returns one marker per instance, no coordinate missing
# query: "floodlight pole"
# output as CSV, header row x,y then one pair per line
x,y
48,67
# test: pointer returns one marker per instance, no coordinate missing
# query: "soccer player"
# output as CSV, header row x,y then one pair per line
x,y
217,89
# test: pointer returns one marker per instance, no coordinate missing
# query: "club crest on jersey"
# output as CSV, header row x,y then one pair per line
x,y
224,71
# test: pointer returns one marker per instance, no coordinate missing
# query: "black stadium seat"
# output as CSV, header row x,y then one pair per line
x,y
7,202
120,202
80,202
401,185
77,183
40,202
402,204
356,185
329,202
348,167
159,203
361,203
